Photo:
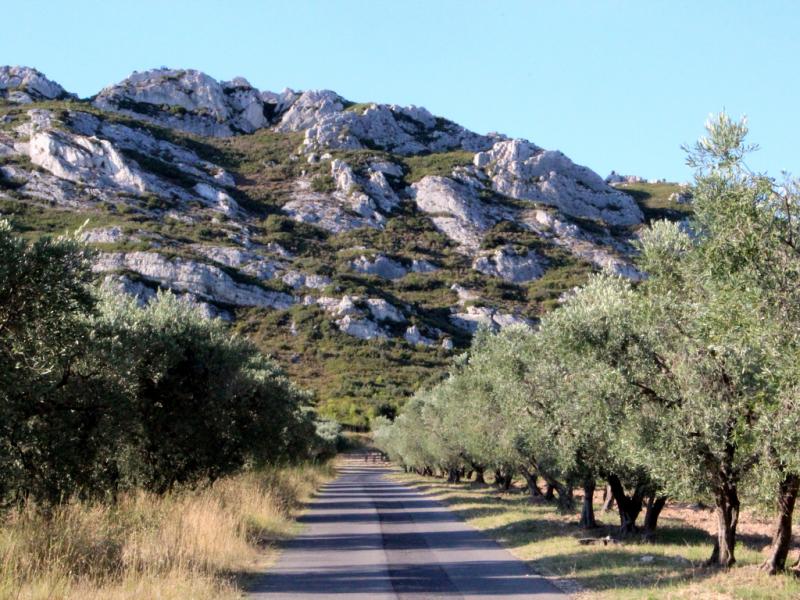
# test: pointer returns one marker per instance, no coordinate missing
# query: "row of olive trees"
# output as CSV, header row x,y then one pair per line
x,y
98,395
684,385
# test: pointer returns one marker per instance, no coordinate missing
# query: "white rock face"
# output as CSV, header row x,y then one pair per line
x,y
682,197
506,264
25,85
464,295
361,328
278,250
524,171
381,310
414,337
87,160
359,317
475,316
189,100
142,141
423,266
90,154
358,201
217,199
104,235
387,168
205,282
144,294
402,130
455,209
298,280
332,212
309,108
244,260
364,195
578,242
381,265
39,186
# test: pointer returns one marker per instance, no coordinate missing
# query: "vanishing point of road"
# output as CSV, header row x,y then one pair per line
x,y
368,537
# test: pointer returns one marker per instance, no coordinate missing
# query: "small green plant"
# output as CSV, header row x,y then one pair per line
x,y
439,163
323,184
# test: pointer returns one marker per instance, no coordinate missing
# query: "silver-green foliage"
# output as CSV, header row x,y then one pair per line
x,y
684,384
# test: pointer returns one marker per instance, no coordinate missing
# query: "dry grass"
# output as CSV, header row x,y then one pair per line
x,y
190,544
670,568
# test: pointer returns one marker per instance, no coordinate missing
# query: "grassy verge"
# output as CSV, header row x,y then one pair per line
x,y
198,544
669,568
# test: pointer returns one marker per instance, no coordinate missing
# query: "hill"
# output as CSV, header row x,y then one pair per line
x,y
360,243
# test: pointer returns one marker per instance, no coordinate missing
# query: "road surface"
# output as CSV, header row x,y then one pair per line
x,y
367,537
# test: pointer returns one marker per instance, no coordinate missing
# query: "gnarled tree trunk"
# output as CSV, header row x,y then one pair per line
x,y
608,498
655,504
587,512
498,478
726,498
549,491
479,475
782,538
564,491
530,480
629,508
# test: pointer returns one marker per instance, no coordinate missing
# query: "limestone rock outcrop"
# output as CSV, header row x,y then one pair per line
x,y
509,265
204,282
329,121
191,101
475,316
380,265
522,170
24,85
456,209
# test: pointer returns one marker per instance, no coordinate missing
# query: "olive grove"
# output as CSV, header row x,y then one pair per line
x,y
682,386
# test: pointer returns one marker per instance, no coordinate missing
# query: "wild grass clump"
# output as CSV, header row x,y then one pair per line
x,y
185,544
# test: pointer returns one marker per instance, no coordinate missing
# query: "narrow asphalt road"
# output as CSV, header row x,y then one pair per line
x,y
367,537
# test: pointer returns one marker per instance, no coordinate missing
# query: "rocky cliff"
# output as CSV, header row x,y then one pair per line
x,y
361,243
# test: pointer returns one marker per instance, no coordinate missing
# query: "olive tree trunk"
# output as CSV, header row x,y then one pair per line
x,y
782,538
726,499
549,491
655,504
587,512
479,475
608,499
530,480
629,507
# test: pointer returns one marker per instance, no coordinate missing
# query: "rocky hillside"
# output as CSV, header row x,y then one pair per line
x,y
360,243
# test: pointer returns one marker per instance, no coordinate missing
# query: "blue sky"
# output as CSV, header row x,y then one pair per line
x,y
614,84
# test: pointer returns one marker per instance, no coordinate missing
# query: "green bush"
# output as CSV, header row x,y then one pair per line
x,y
323,184
98,395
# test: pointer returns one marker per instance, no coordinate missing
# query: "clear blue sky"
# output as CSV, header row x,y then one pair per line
x,y
614,84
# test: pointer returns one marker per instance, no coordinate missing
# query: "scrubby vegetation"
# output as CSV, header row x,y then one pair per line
x,y
189,543
439,163
137,444
681,387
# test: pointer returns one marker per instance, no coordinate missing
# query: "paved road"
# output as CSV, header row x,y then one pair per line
x,y
367,537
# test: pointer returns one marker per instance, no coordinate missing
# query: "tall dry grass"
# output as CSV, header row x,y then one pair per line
x,y
187,544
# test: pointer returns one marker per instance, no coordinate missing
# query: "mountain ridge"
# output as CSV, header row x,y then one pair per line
x,y
323,228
